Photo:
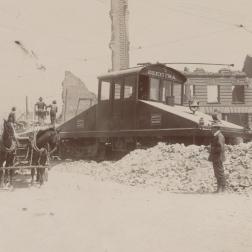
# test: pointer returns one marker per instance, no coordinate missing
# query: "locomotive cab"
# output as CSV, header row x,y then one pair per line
x,y
119,94
153,82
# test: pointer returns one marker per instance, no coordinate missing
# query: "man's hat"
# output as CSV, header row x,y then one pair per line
x,y
40,98
13,109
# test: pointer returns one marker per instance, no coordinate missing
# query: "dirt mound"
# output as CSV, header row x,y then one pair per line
x,y
175,168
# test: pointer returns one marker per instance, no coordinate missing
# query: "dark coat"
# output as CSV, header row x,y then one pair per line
x,y
40,105
12,117
217,151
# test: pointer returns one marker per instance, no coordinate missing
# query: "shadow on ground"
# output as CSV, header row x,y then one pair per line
x,y
22,181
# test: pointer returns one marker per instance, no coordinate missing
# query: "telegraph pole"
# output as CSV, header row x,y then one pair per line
x,y
26,109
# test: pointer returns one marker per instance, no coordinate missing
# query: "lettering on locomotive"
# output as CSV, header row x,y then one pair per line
x,y
167,76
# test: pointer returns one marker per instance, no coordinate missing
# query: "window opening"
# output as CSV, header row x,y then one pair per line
x,y
167,91
237,94
213,94
143,92
129,84
105,90
154,89
177,89
117,89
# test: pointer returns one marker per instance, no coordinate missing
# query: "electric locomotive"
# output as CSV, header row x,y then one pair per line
x,y
138,107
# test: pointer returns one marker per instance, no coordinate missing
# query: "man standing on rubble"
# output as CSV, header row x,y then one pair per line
x,y
40,108
217,156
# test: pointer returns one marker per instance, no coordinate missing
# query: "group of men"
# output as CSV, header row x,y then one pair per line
x,y
41,111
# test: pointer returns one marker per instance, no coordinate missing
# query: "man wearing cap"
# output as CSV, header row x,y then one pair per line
x,y
217,156
40,108
12,121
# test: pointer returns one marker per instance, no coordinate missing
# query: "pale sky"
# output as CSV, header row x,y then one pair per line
x,y
74,35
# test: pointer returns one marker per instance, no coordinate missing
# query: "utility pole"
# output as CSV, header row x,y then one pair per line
x,y
119,43
26,109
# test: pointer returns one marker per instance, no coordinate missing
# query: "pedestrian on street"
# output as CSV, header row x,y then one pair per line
x,y
53,112
217,156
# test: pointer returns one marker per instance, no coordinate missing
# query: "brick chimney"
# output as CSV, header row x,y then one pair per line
x,y
119,43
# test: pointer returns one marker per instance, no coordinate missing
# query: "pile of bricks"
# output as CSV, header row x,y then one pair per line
x,y
175,168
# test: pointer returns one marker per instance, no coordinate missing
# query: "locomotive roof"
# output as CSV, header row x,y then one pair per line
x,y
137,70
184,112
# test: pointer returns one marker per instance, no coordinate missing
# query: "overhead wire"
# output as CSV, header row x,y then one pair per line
x,y
224,13
209,8
87,59
184,39
186,12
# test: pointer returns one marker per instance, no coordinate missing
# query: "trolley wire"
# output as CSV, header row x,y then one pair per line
x,y
184,39
164,43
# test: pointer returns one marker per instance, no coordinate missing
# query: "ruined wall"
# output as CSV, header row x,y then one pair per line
x,y
247,66
235,112
75,96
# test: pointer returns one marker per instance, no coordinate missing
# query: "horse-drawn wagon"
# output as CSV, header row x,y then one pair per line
x,y
30,152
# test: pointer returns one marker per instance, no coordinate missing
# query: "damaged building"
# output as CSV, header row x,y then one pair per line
x,y
75,96
228,92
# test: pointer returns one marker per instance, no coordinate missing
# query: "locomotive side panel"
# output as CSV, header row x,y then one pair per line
x,y
85,121
149,117
103,115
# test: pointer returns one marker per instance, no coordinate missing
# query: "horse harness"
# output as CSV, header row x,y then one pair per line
x,y
42,149
39,150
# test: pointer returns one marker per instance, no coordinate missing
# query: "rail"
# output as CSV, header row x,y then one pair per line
x,y
205,131
24,167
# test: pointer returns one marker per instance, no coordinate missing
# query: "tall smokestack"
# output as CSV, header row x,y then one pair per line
x,y
119,43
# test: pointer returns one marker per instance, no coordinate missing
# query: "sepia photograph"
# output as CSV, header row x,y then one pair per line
x,y
126,126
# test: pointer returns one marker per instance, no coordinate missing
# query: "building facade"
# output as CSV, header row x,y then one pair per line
x,y
228,92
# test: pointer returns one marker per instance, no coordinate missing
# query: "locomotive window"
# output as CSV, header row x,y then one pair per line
x,y
117,93
154,89
166,89
129,84
117,89
105,90
177,89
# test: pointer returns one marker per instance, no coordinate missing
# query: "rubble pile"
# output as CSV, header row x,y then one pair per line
x,y
175,168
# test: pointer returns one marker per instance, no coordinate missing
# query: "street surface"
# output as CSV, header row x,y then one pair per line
x,y
74,212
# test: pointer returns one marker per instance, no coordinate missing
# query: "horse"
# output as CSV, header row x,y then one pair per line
x,y
8,147
44,143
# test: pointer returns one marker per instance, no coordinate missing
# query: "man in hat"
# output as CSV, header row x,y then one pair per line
x,y
40,108
12,116
53,112
216,116
13,122
217,156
